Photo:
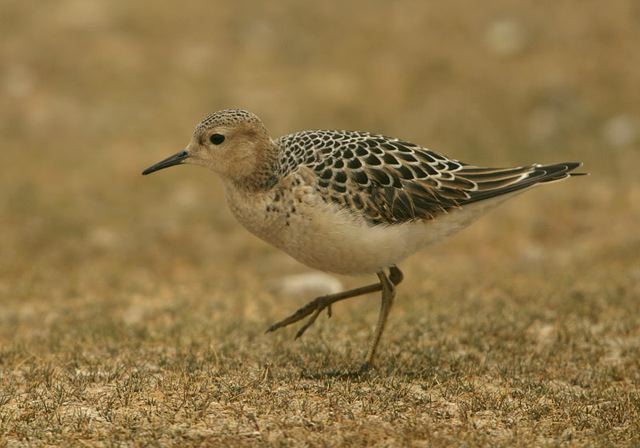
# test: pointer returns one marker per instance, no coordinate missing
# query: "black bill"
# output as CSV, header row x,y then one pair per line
x,y
175,159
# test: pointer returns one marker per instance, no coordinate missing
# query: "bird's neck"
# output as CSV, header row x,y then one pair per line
x,y
264,176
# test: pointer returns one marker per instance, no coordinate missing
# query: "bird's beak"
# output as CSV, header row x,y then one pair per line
x,y
175,159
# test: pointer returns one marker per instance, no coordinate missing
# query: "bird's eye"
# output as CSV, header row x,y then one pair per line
x,y
216,139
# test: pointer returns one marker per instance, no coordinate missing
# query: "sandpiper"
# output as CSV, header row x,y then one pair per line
x,y
348,202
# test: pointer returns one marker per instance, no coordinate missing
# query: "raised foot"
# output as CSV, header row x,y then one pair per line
x,y
314,308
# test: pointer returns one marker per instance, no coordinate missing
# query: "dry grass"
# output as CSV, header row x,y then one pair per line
x,y
132,309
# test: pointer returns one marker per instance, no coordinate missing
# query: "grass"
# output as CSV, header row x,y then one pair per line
x,y
132,310
501,354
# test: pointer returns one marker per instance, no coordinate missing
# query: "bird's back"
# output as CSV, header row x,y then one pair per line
x,y
388,181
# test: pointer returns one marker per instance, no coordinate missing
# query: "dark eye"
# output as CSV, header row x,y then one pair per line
x,y
216,139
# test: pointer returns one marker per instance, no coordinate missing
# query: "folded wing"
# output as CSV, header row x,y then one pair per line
x,y
388,181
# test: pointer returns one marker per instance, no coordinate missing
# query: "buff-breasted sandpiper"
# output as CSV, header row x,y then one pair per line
x,y
348,202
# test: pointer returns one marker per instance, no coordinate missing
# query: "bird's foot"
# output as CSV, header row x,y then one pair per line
x,y
364,368
315,307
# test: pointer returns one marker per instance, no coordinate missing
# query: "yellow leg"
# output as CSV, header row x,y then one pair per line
x,y
316,306
387,285
388,294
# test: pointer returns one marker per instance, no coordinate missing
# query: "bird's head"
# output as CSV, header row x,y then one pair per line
x,y
233,143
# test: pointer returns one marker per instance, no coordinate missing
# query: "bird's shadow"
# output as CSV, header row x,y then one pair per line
x,y
426,371
353,375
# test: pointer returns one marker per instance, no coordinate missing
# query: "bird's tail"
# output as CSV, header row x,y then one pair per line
x,y
492,182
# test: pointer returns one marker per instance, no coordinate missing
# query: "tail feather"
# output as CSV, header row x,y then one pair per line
x,y
492,182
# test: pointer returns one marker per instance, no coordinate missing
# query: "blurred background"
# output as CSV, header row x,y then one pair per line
x,y
133,308
92,92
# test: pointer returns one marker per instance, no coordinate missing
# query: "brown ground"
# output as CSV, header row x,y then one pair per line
x,y
132,309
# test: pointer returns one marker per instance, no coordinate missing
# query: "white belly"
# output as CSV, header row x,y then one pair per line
x,y
326,238
335,241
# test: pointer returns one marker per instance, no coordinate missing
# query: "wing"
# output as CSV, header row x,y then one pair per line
x,y
389,181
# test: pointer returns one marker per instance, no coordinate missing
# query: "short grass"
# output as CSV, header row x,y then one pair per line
x,y
133,310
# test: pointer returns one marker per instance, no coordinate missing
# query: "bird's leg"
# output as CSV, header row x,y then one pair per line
x,y
316,306
388,294
387,285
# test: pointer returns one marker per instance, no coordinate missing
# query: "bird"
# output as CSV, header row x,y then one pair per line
x,y
348,202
